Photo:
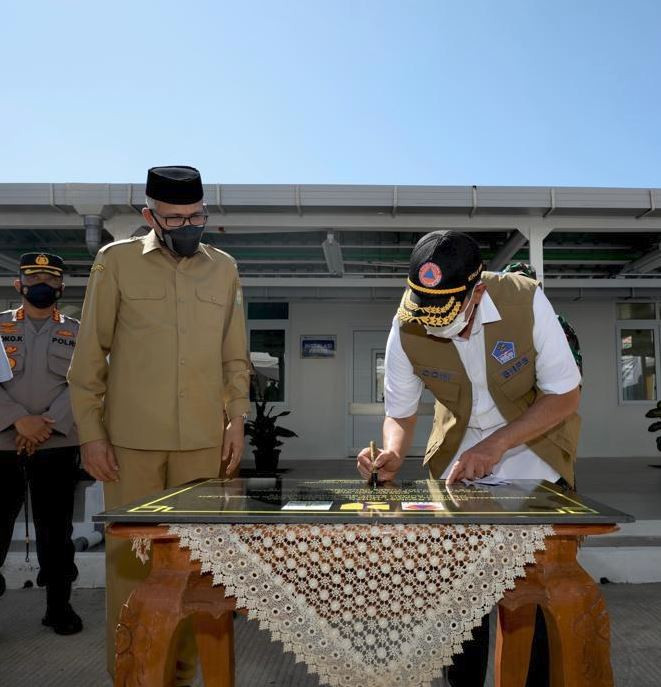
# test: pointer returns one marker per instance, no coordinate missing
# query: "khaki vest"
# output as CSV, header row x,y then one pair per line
x,y
510,360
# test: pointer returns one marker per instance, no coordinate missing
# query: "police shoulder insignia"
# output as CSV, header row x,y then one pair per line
x,y
64,332
10,349
504,351
12,362
97,268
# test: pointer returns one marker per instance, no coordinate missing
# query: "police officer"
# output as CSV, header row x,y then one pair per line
x,y
38,439
490,349
168,312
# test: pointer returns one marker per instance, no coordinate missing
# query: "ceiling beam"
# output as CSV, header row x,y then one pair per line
x,y
645,264
400,282
505,253
8,263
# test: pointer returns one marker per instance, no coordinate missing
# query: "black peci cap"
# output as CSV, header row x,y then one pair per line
x,y
177,185
444,268
32,263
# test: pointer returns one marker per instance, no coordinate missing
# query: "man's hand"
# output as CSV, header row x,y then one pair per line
x,y
35,428
387,462
99,460
25,446
233,444
477,462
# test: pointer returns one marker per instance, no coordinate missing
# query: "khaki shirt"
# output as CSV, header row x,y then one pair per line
x,y
39,357
162,349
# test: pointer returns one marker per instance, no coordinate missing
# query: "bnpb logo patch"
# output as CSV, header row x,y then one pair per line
x,y
430,274
504,351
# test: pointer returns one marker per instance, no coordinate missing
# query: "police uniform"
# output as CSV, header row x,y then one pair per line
x,y
174,332
39,353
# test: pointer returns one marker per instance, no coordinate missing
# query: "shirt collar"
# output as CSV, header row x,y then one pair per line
x,y
151,242
486,311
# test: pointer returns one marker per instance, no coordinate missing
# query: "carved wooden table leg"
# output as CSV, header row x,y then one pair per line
x,y
577,622
149,619
215,644
513,642
575,613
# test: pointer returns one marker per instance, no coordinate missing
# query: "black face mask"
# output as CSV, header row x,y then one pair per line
x,y
41,295
183,241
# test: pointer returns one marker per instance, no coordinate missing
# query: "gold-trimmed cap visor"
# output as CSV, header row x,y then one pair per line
x,y
410,310
33,263
36,269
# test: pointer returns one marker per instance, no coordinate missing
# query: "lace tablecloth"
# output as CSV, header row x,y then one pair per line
x,y
373,605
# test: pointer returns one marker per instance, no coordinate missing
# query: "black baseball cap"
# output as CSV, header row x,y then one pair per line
x,y
177,185
444,268
33,263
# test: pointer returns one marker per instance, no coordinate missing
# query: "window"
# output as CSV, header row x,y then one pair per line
x,y
268,311
378,375
638,364
636,311
267,355
638,334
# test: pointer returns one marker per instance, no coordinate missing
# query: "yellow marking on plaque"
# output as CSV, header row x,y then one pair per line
x,y
351,506
167,496
582,506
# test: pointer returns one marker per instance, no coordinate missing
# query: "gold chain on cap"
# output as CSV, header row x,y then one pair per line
x,y
430,320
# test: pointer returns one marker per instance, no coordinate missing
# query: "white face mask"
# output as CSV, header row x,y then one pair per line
x,y
455,327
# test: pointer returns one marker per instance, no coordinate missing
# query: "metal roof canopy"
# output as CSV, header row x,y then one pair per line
x,y
581,237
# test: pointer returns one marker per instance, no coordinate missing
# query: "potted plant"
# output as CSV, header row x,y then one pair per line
x,y
265,437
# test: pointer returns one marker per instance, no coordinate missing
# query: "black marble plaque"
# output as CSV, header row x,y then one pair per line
x,y
278,500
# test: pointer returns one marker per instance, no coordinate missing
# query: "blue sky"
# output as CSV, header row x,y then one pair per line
x,y
343,91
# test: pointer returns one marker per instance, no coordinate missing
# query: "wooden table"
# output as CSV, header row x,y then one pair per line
x,y
576,617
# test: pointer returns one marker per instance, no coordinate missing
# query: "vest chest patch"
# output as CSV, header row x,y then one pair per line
x,y
504,351
517,367
441,375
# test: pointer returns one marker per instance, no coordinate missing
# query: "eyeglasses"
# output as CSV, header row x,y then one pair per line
x,y
199,219
42,278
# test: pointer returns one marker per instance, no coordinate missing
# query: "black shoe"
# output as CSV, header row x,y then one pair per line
x,y
64,621
3,585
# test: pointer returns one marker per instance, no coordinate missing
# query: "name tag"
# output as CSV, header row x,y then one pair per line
x,y
515,368
441,375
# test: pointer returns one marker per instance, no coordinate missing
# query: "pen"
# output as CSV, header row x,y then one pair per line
x,y
374,477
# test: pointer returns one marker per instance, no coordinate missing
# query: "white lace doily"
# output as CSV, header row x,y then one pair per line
x,y
363,604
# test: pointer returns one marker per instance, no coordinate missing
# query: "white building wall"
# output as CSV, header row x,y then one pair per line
x,y
320,389
610,429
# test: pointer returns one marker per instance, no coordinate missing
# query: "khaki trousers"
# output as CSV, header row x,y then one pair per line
x,y
142,473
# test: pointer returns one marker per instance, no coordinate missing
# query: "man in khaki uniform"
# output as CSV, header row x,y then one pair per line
x,y
161,357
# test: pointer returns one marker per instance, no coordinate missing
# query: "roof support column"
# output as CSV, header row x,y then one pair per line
x,y
124,226
536,232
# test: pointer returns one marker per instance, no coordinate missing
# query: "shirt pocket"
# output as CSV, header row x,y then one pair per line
x,y
15,358
146,305
59,359
210,307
